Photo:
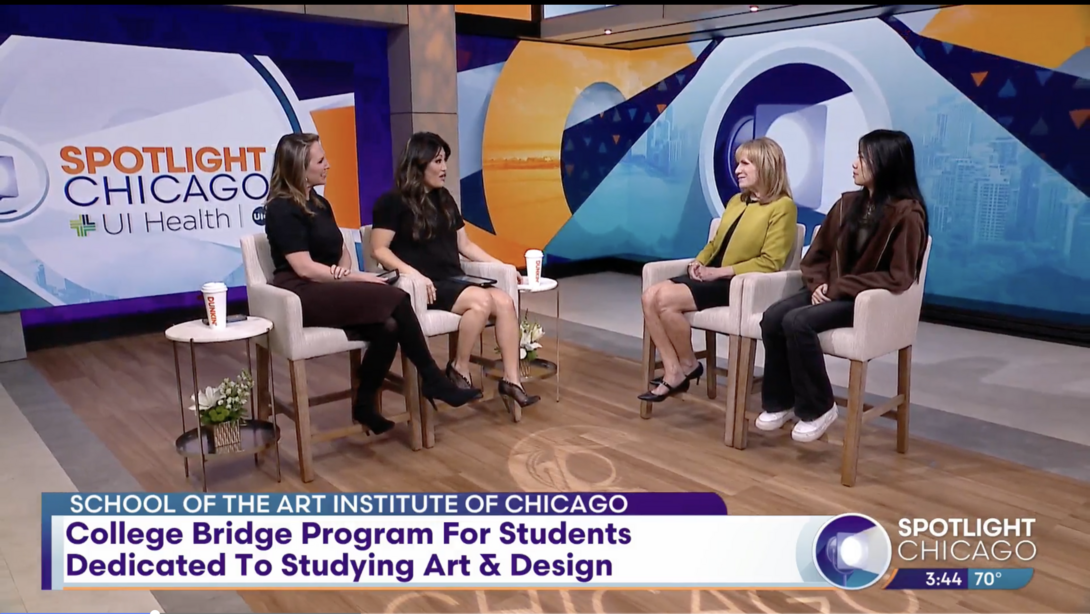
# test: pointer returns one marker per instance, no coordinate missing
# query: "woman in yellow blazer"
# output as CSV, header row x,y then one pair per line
x,y
756,234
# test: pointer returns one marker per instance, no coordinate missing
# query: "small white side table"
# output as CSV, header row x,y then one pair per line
x,y
547,285
257,435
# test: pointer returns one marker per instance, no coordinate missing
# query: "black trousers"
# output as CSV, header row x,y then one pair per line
x,y
401,329
794,374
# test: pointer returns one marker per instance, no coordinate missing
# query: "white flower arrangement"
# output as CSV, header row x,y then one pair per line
x,y
528,344
224,403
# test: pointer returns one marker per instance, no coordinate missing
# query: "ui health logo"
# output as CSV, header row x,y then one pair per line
x,y
82,225
24,179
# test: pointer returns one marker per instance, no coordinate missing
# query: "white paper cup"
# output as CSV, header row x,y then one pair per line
x,y
533,267
215,304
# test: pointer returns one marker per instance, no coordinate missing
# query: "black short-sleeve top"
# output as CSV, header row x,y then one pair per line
x,y
435,258
291,230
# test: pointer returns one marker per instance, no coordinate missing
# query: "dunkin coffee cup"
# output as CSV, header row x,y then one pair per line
x,y
533,267
215,304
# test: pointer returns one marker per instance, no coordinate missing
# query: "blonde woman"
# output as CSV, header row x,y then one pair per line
x,y
756,234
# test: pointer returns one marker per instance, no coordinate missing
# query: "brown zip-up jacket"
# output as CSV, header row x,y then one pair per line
x,y
891,260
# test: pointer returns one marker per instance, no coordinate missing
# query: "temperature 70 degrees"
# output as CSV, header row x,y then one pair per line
x,y
999,579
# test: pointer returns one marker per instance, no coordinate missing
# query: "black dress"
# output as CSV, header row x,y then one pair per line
x,y
436,258
341,304
715,293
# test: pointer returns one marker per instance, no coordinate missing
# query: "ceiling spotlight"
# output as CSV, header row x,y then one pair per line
x,y
608,31
753,8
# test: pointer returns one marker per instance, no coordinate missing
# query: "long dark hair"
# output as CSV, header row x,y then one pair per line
x,y
421,150
289,169
891,160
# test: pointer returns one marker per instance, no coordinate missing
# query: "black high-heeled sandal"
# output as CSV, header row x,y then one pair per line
x,y
364,413
670,391
515,398
697,373
459,380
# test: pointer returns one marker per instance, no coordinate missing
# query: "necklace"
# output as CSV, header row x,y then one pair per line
x,y
868,213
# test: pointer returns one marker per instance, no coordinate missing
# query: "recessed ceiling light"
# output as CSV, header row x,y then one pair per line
x,y
608,31
753,8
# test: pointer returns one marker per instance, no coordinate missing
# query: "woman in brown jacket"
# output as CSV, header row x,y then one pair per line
x,y
874,238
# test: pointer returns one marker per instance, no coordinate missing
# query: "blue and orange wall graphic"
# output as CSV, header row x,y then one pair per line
x,y
588,152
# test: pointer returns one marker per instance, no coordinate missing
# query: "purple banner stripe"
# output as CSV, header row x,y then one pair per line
x,y
675,504
389,504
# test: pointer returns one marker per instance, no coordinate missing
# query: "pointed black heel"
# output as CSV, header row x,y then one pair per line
x,y
516,393
442,389
515,398
670,391
697,373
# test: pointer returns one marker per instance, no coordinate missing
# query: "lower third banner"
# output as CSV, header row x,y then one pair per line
x,y
442,540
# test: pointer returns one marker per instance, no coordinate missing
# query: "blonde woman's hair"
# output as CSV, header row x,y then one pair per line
x,y
767,156
289,171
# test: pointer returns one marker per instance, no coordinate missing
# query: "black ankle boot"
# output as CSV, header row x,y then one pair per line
x,y
516,393
459,380
365,413
438,387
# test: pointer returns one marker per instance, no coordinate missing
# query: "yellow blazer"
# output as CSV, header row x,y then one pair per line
x,y
763,240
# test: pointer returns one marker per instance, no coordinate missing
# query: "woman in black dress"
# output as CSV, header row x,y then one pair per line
x,y
312,260
418,230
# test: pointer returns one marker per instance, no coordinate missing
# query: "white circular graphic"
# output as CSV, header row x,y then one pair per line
x,y
823,55
852,551
24,178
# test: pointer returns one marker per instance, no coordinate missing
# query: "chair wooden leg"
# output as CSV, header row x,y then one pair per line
x,y
452,345
301,401
648,371
480,377
747,355
904,388
261,383
354,359
411,391
857,385
712,359
419,409
732,389
262,392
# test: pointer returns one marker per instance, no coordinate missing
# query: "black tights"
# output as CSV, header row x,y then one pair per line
x,y
402,328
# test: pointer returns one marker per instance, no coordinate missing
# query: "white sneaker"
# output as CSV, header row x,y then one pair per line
x,y
773,420
806,432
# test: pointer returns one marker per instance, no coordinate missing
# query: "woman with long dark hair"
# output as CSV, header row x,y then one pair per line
x,y
312,260
418,230
873,238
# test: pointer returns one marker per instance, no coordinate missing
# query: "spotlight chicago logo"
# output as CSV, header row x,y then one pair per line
x,y
162,189
966,541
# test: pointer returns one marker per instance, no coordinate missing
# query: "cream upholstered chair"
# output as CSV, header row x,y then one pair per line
x,y
435,323
714,321
291,340
884,323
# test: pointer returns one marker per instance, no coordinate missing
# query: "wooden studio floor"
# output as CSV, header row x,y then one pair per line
x,y
592,440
